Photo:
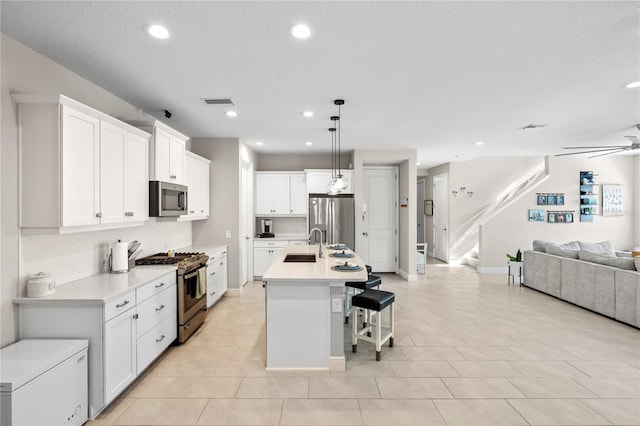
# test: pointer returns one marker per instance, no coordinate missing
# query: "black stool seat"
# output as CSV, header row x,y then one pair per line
x,y
371,282
375,300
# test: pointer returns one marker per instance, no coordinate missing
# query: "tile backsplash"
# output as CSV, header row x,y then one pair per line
x,y
70,257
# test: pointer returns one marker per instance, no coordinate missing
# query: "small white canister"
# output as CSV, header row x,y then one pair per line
x,y
40,285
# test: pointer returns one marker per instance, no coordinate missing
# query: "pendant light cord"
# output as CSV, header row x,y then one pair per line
x,y
339,142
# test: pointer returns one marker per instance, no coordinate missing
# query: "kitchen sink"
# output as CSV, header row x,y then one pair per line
x,y
302,257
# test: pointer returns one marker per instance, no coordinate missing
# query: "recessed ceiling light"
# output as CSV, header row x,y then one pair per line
x,y
633,85
301,31
259,143
158,31
231,113
480,143
308,143
308,114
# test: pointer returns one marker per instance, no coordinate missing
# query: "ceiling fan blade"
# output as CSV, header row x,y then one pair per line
x,y
591,151
607,153
633,139
595,147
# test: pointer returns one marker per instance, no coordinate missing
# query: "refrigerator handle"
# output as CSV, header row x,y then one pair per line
x,y
364,211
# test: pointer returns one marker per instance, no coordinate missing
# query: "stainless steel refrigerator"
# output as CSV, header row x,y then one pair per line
x,y
334,215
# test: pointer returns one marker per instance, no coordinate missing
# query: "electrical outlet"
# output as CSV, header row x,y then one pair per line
x,y
228,233
336,305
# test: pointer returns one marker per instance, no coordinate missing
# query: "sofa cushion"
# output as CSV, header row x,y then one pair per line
x,y
616,262
540,245
569,250
604,248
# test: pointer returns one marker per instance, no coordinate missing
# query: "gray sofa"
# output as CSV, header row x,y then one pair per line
x,y
608,290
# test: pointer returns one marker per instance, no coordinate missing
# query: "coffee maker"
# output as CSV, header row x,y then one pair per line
x,y
266,228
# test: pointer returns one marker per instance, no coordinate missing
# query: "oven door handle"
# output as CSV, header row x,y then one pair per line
x,y
193,273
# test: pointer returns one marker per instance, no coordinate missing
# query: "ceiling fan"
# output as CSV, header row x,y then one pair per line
x,y
605,150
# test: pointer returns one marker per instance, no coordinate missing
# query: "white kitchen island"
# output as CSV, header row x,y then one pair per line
x,y
304,314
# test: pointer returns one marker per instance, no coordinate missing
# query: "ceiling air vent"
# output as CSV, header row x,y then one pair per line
x,y
226,101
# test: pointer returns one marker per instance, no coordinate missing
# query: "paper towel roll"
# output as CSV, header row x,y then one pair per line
x,y
119,257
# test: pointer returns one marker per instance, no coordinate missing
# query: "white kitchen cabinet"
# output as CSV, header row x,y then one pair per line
x,y
100,168
298,193
264,253
217,278
272,193
280,193
119,353
167,153
318,180
197,180
126,332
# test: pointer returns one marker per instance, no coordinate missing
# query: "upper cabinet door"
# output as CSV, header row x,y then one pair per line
x,y
298,193
113,146
272,194
162,151
136,194
177,151
80,168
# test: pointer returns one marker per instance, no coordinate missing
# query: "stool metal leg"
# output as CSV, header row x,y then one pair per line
x,y
378,335
392,320
354,329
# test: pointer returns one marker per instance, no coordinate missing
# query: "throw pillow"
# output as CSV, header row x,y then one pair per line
x,y
539,245
569,250
616,262
604,248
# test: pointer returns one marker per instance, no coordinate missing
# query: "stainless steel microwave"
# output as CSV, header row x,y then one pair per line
x,y
167,199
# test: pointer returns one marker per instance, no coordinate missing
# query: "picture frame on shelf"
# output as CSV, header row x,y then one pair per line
x,y
536,215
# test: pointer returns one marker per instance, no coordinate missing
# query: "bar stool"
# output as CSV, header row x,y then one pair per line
x,y
373,281
374,302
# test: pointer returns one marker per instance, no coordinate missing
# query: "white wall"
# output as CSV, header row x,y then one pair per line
x,y
67,257
510,229
299,162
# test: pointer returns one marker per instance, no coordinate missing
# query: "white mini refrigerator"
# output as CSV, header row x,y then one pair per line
x,y
44,382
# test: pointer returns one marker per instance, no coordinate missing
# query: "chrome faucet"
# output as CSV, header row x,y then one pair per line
x,y
319,241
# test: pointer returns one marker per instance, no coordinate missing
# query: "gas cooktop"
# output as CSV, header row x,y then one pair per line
x,y
184,261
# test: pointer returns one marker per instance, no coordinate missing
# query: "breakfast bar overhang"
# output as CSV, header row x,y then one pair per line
x,y
304,309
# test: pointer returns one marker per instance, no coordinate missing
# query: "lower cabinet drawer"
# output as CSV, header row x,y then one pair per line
x,y
155,309
120,304
156,341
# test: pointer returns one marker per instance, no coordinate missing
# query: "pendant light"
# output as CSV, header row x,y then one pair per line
x,y
338,182
330,187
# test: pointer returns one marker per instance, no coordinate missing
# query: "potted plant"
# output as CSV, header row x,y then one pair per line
x,y
515,265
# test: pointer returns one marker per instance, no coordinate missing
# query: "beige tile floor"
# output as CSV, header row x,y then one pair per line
x,y
469,350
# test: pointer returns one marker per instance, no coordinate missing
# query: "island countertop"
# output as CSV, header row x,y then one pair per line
x,y
320,270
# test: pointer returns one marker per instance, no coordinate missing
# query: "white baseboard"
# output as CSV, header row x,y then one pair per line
x,y
234,292
406,276
337,363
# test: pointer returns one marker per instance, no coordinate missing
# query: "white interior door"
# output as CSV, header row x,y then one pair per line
x,y
246,228
380,230
441,217
420,210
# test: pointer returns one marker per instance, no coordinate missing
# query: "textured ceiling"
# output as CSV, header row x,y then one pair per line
x,y
435,76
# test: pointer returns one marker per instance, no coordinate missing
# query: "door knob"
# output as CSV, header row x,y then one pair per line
x,y
366,234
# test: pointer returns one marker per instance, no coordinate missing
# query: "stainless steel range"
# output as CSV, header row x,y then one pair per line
x,y
192,288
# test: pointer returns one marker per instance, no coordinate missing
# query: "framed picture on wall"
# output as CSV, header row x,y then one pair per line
x,y
560,217
542,199
612,200
551,217
428,207
568,218
536,215
560,200
551,199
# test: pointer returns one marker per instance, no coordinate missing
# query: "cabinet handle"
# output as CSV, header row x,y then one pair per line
x,y
135,316
98,215
221,263
201,211
126,302
191,211
160,308
187,326
172,176
131,214
212,293
160,285
81,358
212,274
290,211
160,339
